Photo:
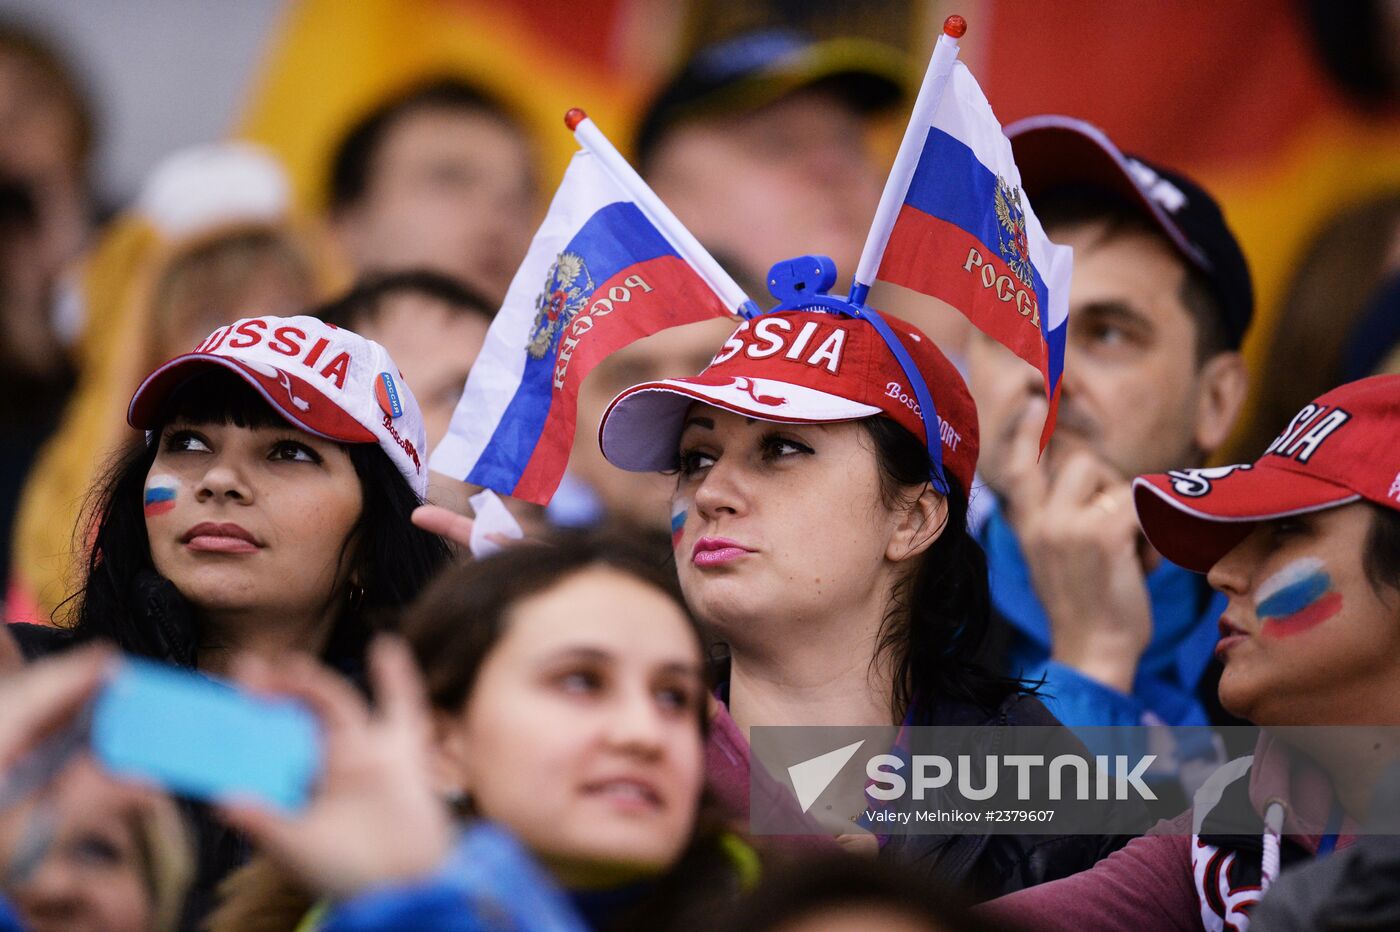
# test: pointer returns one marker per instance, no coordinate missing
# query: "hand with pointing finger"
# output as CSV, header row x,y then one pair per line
x,y
1080,537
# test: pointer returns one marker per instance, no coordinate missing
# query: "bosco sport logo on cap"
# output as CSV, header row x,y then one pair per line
x,y
802,366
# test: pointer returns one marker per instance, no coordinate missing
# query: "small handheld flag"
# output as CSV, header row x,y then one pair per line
x,y
609,265
953,223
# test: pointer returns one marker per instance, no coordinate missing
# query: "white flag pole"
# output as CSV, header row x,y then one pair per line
x,y
940,66
591,138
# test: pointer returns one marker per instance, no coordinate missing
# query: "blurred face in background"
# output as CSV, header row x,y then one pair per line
x,y
639,498
42,136
1133,391
45,142
242,273
791,178
434,344
97,874
449,190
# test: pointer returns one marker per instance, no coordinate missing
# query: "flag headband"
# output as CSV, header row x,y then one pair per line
x,y
815,359
802,284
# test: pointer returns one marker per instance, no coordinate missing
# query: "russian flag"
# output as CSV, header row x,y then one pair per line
x,y
599,275
963,231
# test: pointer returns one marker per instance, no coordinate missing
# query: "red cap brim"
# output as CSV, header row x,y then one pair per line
x,y
1193,517
642,427
294,398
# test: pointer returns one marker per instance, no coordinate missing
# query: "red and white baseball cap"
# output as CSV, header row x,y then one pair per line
x,y
1341,448
798,367
326,380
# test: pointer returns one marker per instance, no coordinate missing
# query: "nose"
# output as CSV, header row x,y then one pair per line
x,y
1232,574
722,490
636,725
51,892
226,480
833,161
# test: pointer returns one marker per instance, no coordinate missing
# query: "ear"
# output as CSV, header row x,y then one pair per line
x,y
448,758
1223,384
920,523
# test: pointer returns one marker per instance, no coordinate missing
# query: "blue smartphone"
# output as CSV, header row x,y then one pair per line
x,y
205,738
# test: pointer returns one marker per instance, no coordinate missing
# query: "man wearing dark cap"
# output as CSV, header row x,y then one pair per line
x,y
759,145
1159,303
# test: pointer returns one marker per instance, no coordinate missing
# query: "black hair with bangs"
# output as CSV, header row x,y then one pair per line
x,y
123,599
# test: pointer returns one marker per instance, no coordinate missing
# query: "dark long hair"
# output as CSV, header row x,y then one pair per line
x,y
934,631
124,600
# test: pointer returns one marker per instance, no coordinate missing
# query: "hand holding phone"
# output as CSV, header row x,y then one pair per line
x,y
374,817
205,738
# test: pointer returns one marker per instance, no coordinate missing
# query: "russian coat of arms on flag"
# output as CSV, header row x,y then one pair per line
x,y
1012,242
605,269
954,224
611,264
567,288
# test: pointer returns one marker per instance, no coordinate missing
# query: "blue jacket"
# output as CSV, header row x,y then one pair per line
x,y
1184,633
9,920
488,882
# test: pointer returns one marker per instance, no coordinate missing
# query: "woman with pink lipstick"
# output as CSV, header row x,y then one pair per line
x,y
1306,545
268,512
818,538
568,702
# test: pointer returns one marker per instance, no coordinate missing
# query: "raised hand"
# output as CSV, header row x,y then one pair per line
x,y
374,818
44,696
1081,540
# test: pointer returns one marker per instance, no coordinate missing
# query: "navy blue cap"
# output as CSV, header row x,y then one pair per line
x,y
1059,152
747,71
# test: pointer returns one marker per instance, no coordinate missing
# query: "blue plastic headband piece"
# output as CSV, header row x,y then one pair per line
x,y
802,284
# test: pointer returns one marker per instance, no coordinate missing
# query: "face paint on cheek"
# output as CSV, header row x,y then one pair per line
x,y
679,509
160,494
1296,598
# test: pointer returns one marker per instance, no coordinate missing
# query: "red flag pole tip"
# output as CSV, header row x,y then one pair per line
x,y
955,26
574,117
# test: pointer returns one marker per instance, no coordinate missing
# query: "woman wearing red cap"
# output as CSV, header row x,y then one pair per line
x,y
1305,543
267,512
812,538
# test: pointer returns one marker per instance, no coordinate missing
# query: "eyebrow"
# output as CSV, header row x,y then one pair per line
x,y
580,653
602,656
708,423
1116,309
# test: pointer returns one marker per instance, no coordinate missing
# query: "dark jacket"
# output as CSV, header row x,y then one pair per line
x,y
980,866
987,866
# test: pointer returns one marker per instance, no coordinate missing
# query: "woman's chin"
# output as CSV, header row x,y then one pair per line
x,y
732,616
1239,695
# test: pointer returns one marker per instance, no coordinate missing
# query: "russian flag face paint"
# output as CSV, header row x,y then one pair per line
x,y
160,494
1298,597
679,509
